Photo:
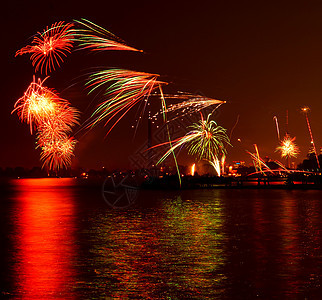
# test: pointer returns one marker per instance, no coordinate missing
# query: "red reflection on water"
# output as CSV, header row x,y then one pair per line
x,y
289,267
260,243
276,243
44,224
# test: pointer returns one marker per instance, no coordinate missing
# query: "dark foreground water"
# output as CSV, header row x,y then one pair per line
x,y
59,240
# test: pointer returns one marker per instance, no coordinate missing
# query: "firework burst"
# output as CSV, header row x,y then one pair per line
x,y
49,47
95,38
58,126
52,137
53,118
210,141
38,104
206,141
287,147
57,153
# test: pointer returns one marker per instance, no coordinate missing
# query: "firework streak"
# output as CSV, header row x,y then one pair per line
x,y
164,108
190,104
95,38
259,162
122,89
216,165
277,127
306,111
49,47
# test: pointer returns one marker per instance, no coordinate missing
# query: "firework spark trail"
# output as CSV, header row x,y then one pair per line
x,y
283,168
95,38
193,169
122,89
223,161
177,143
231,132
164,108
49,47
286,121
306,111
191,104
259,162
215,163
259,165
207,140
277,127
277,171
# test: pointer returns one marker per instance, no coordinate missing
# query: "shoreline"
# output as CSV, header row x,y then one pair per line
x,y
171,183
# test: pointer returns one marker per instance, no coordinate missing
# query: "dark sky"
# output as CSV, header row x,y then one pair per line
x,y
262,57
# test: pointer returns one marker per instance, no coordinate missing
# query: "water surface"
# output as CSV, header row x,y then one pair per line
x,y
62,240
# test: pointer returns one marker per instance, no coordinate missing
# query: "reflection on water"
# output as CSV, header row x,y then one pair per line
x,y
290,248
269,244
200,244
174,250
199,228
43,220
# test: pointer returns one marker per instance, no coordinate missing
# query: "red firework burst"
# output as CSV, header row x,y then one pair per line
x,y
49,47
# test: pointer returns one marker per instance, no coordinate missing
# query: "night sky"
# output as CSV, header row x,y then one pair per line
x,y
262,57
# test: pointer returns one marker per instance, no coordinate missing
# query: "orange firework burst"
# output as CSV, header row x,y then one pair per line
x,y
288,148
38,104
58,126
57,154
52,137
53,117
49,47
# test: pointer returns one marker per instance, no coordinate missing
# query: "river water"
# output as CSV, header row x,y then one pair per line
x,y
62,241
